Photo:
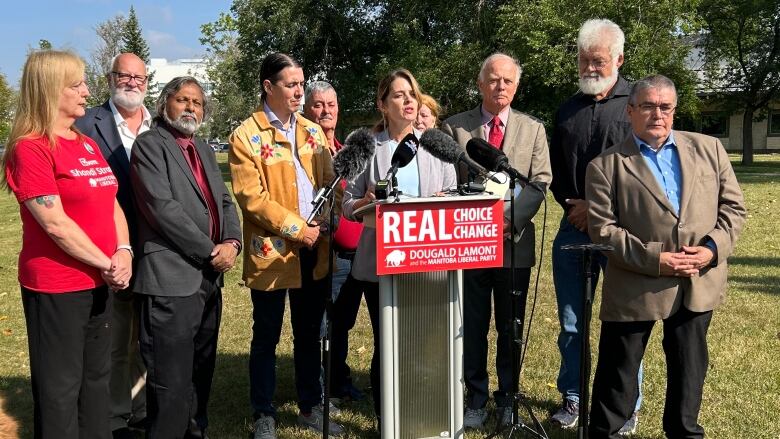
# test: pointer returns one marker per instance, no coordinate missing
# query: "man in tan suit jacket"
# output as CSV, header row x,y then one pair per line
x,y
522,138
670,205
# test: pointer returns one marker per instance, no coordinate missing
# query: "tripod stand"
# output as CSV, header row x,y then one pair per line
x,y
587,311
517,322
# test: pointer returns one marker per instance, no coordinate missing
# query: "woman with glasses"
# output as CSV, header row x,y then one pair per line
x,y
74,248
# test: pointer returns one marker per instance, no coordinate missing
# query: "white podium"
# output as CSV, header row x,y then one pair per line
x,y
422,245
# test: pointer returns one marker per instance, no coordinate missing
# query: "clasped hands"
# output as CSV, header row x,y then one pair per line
x,y
121,270
685,263
223,257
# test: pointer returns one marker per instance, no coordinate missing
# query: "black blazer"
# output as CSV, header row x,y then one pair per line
x,y
98,124
173,221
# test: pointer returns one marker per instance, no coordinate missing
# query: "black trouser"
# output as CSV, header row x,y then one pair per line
x,y
307,305
621,348
179,346
478,285
345,311
69,337
371,290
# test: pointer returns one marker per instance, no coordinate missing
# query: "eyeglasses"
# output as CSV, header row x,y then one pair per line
x,y
648,109
598,64
126,77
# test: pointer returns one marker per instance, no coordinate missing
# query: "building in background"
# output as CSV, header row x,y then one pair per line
x,y
162,71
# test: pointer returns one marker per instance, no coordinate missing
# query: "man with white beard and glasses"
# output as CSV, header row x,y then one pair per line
x,y
188,236
114,127
586,124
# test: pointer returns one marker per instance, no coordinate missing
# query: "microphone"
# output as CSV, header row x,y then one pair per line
x,y
347,164
446,149
404,153
492,158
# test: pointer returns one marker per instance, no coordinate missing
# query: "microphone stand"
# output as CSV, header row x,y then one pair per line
x,y
587,311
327,195
517,321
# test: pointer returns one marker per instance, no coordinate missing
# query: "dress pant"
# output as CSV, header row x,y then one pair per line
x,y
307,305
179,346
128,373
345,311
69,337
621,348
479,286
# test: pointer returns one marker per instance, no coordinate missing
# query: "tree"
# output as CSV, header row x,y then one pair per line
x,y
742,58
7,101
44,45
132,40
110,33
543,34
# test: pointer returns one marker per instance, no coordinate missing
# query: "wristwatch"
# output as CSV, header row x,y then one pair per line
x,y
125,247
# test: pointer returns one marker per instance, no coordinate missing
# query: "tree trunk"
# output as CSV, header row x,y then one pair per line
x,y
747,136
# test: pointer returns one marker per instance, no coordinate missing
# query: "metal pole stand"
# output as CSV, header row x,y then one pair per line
x,y
518,319
587,311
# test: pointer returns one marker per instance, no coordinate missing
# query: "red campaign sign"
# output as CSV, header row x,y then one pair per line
x,y
451,234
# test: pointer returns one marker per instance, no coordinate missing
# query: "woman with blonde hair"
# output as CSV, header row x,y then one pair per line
x,y
428,116
398,99
74,248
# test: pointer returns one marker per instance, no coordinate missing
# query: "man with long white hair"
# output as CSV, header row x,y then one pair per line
x,y
585,125
114,127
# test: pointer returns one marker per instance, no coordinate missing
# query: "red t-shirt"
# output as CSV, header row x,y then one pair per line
x,y
77,173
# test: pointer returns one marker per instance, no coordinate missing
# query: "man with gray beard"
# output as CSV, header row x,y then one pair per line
x,y
114,127
188,236
585,125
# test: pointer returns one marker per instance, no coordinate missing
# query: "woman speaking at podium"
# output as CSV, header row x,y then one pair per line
x,y
398,99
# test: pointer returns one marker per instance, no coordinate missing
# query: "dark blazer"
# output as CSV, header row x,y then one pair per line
x,y
525,144
628,210
173,222
98,124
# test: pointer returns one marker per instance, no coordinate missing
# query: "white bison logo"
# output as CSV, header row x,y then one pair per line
x,y
395,258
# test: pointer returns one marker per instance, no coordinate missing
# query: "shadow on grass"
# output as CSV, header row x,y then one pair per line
x,y
17,393
230,413
769,284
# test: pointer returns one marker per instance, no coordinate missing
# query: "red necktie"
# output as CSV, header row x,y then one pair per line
x,y
205,189
495,137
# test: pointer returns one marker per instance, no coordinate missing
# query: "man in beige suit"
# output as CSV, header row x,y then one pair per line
x,y
522,138
670,205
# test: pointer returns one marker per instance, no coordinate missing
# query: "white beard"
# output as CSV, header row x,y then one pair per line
x,y
130,100
593,84
186,127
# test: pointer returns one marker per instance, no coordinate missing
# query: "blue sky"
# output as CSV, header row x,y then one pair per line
x,y
170,27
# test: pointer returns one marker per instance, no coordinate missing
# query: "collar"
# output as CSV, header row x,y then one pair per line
x,y
274,120
645,146
119,120
487,116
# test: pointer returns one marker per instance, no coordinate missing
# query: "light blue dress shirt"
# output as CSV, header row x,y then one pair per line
x,y
408,177
665,166
305,188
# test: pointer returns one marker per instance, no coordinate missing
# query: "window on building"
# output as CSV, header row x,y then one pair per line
x,y
715,124
774,122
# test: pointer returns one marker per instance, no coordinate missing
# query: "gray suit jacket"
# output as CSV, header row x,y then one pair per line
x,y
435,176
628,210
173,220
525,144
98,124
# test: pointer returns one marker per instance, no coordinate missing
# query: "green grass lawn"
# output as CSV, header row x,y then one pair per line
x,y
741,394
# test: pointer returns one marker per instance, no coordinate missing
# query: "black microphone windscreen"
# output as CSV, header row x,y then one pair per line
x,y
405,151
441,146
485,154
354,156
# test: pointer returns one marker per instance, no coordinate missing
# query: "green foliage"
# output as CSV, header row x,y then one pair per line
x,y
44,45
7,98
132,40
353,43
741,44
109,33
543,36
